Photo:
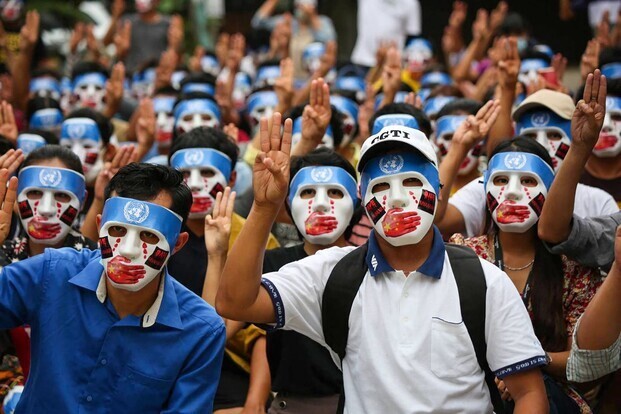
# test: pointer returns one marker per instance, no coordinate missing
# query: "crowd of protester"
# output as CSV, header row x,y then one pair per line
x,y
267,230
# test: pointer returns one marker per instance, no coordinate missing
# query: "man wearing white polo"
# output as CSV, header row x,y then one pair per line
x,y
408,349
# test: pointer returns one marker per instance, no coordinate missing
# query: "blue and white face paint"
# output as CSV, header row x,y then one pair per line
x,y
45,87
207,172
311,57
445,128
266,76
349,109
352,83
322,201
49,199
81,135
612,70
136,240
143,84
327,141
417,54
89,90
165,121
47,119
550,130
195,113
516,184
434,105
241,90
260,105
30,142
529,70
431,79
210,64
609,142
399,192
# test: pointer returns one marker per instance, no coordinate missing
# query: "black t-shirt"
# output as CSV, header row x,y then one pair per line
x,y
612,187
189,264
298,364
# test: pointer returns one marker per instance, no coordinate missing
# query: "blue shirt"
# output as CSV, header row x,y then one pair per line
x,y
85,359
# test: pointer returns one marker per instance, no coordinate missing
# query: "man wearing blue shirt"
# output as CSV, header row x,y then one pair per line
x,y
112,332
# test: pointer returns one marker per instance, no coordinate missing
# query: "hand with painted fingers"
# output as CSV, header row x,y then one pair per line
x,y
316,117
8,126
218,223
476,127
271,167
11,160
8,195
122,157
317,224
397,222
508,212
120,271
590,111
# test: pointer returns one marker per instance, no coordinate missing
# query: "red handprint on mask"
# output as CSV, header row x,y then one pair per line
x,y
606,141
397,222
119,271
509,212
200,204
317,224
39,228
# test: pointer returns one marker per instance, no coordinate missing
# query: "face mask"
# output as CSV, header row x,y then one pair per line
x,y
196,113
349,109
550,130
517,184
241,90
311,56
136,240
90,90
81,135
45,87
529,70
48,119
164,121
522,44
434,105
417,55
206,171
49,200
260,105
609,143
322,201
144,6
143,84
210,64
327,141
266,77
11,10
400,191
445,128
30,142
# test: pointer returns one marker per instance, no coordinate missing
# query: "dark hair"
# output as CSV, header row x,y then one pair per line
x,y
199,77
403,108
5,145
49,137
144,182
546,279
514,24
535,54
336,121
206,137
166,90
192,95
613,88
609,55
105,126
37,73
49,152
40,102
327,157
445,90
81,68
468,106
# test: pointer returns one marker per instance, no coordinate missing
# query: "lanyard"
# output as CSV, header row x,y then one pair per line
x,y
499,262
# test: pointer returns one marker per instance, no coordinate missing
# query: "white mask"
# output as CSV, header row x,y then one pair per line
x,y
90,91
49,200
322,201
207,172
550,130
445,128
136,240
517,184
81,135
609,143
195,113
400,191
260,105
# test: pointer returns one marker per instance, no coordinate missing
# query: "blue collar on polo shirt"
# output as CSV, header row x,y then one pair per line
x,y
167,311
432,267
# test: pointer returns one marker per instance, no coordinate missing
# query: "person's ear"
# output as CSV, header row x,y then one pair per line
x,y
181,241
98,222
233,178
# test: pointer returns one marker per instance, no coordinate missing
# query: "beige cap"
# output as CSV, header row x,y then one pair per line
x,y
557,102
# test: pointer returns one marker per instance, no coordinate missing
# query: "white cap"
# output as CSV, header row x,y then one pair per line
x,y
390,135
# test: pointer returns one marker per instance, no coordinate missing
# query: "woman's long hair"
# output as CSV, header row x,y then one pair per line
x,y
546,281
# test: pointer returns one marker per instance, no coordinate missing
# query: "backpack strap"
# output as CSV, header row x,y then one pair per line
x,y
338,297
472,289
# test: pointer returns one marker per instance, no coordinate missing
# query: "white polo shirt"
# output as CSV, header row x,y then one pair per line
x,y
470,201
408,350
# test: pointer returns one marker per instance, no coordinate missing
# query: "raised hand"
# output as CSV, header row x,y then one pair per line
x,y
365,112
232,132
271,167
380,53
123,156
145,127
559,64
283,86
588,117
194,62
92,44
114,90
175,33
476,127
218,223
11,160
8,126
508,63
29,34
391,75
590,58
123,39
8,195
118,8
165,68
76,37
222,48
497,16
327,61
414,100
236,52
317,114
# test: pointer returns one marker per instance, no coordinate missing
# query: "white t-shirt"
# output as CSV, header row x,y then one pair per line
x,y
408,350
383,20
470,201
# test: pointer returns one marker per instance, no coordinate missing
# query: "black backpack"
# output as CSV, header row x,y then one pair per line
x,y
348,274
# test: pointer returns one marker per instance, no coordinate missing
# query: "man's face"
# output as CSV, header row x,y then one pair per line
x,y
136,239
609,143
